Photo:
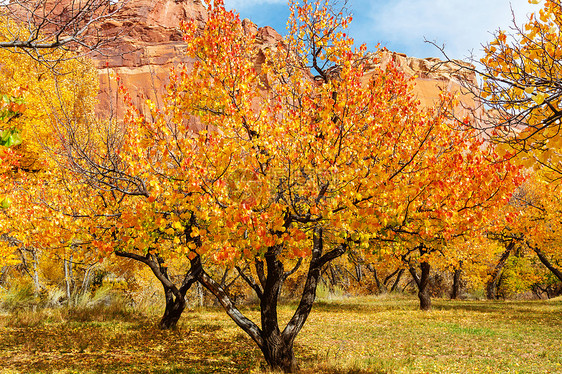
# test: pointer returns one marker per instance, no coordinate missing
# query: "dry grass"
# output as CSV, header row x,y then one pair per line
x,y
343,336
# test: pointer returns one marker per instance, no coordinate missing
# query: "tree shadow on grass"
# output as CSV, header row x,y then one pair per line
x,y
123,347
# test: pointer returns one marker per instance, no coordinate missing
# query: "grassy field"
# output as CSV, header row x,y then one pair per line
x,y
359,335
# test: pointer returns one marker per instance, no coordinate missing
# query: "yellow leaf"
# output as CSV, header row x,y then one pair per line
x,y
194,232
539,98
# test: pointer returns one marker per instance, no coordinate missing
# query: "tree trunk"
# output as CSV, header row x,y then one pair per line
x,y
200,295
388,278
276,345
279,354
359,273
422,282
456,284
173,311
275,348
547,263
377,280
36,284
425,299
492,285
85,287
398,277
175,296
68,280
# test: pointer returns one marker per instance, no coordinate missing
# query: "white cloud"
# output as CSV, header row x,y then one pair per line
x,y
462,25
402,25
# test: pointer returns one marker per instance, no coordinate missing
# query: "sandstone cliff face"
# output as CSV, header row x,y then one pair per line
x,y
150,43
431,77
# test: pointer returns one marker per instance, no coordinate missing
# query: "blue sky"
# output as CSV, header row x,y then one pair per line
x,y
402,25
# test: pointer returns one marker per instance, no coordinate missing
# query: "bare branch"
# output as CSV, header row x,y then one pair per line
x,y
39,28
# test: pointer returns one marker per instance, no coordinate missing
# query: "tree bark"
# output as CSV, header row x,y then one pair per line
x,y
456,284
377,280
36,284
68,280
491,286
397,280
359,273
547,263
279,354
84,288
175,296
276,345
422,281
174,308
200,295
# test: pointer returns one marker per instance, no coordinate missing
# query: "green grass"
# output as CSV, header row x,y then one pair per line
x,y
360,335
456,337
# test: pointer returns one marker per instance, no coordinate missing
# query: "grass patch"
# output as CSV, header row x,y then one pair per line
x,y
342,336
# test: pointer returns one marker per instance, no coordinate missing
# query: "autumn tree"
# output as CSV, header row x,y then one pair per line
x,y
269,167
39,97
457,189
520,90
536,228
11,107
328,163
520,98
41,43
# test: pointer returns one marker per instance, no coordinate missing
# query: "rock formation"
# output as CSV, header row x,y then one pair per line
x,y
432,76
145,41
150,43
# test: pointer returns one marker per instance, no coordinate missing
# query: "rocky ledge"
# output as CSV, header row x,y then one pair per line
x,y
149,43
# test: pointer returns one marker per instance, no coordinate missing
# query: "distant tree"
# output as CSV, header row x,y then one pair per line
x,y
452,204
521,98
39,97
537,226
528,226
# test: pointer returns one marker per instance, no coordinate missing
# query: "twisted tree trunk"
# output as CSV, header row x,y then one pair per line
x,y
174,295
276,344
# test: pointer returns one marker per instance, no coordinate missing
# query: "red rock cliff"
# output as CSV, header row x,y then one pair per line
x,y
150,43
